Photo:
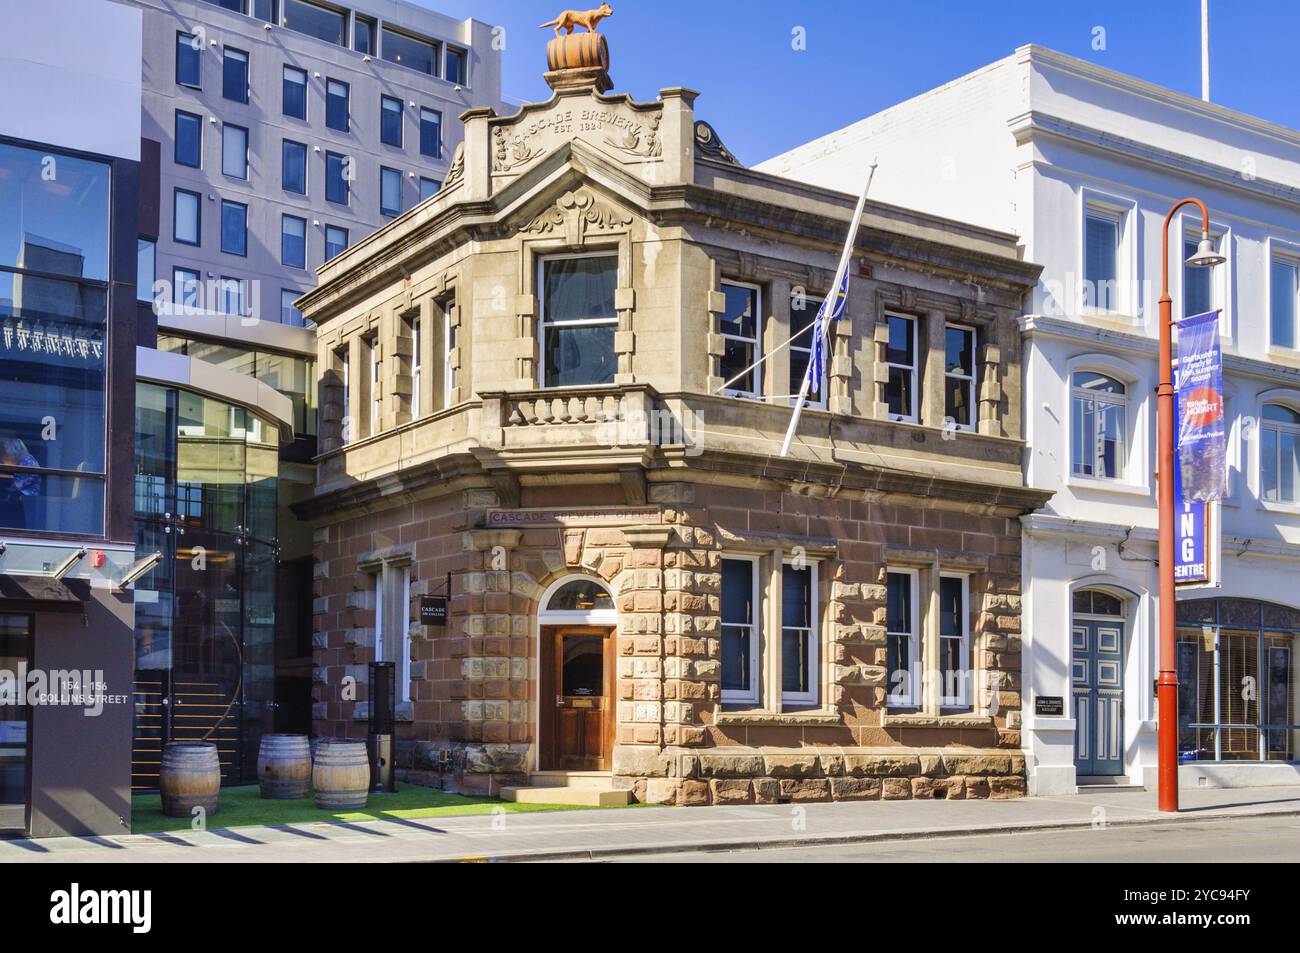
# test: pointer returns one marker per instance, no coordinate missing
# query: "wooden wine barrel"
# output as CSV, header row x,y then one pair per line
x,y
284,766
341,775
577,51
190,778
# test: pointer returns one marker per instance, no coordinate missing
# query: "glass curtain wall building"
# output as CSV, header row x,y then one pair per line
x,y
206,498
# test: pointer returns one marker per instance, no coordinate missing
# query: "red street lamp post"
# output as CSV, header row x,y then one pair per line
x,y
1167,684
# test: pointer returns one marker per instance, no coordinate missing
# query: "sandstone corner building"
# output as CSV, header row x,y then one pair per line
x,y
527,392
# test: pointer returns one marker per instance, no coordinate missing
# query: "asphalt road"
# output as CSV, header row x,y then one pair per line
x,y
1244,840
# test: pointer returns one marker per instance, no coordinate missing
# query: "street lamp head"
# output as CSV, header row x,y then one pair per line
x,y
1207,256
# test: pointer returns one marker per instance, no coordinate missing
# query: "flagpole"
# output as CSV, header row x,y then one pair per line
x,y
827,307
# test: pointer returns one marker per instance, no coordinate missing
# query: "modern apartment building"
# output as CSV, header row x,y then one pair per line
x,y
284,131
1083,164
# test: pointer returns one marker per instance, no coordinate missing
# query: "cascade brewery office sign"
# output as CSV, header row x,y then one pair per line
x,y
576,516
433,610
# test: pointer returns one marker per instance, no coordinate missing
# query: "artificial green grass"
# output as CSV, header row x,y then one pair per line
x,y
244,806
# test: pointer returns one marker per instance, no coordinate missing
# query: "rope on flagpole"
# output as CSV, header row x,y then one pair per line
x,y
824,314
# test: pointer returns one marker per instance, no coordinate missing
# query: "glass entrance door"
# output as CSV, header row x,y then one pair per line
x,y
15,723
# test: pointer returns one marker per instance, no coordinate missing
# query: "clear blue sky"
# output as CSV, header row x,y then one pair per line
x,y
863,55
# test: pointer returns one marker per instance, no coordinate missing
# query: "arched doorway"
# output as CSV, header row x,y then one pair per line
x,y
576,624
1097,682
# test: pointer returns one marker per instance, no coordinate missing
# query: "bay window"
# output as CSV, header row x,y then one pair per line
x,y
578,320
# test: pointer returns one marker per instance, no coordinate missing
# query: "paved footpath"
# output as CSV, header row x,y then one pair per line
x,y
630,832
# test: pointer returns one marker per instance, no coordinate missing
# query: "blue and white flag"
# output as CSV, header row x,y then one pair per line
x,y
837,302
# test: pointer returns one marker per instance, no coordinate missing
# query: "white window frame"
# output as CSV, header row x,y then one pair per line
x,y
796,327
813,695
971,381
543,322
754,694
1278,428
756,340
1122,212
912,370
962,700
375,371
1279,252
1077,393
449,345
402,675
417,369
910,699
228,129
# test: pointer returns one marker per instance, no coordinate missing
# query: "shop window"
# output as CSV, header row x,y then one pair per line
x,y
578,320
739,325
901,363
1099,426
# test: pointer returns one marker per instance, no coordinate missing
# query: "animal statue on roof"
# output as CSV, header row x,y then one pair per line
x,y
567,20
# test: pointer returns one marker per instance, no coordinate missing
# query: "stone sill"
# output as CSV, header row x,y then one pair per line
x,y
936,721
783,718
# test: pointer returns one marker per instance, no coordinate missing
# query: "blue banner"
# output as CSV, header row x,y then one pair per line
x,y
1202,429
1194,546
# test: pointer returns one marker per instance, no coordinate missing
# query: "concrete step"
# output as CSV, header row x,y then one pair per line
x,y
1109,787
577,796
599,780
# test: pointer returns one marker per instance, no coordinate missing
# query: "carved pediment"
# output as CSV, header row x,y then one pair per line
x,y
623,130
709,145
577,213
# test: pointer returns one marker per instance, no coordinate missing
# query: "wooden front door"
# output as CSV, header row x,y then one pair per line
x,y
578,699
1097,681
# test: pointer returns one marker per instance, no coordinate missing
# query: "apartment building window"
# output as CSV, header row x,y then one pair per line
x,y
293,241
954,641
234,151
234,75
739,326
336,104
187,217
740,630
1284,300
1102,230
902,636
293,167
289,313
1279,454
901,363
185,288
390,191
336,178
959,376
1099,425
431,133
312,19
578,320
336,241
264,10
390,121
234,227
233,300
363,34
456,62
803,312
406,50
294,93
188,147
146,268
429,188
189,64
799,634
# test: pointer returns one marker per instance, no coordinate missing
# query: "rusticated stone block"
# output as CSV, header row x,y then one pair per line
x,y
718,765
692,793
801,791
731,791
767,791
1003,788
977,787
950,789
881,765
896,789
977,763
790,764
661,790
855,789
923,788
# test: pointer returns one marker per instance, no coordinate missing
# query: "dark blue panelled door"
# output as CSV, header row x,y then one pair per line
x,y
1097,684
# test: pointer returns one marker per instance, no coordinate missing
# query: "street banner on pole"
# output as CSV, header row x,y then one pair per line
x,y
1197,540
1202,425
